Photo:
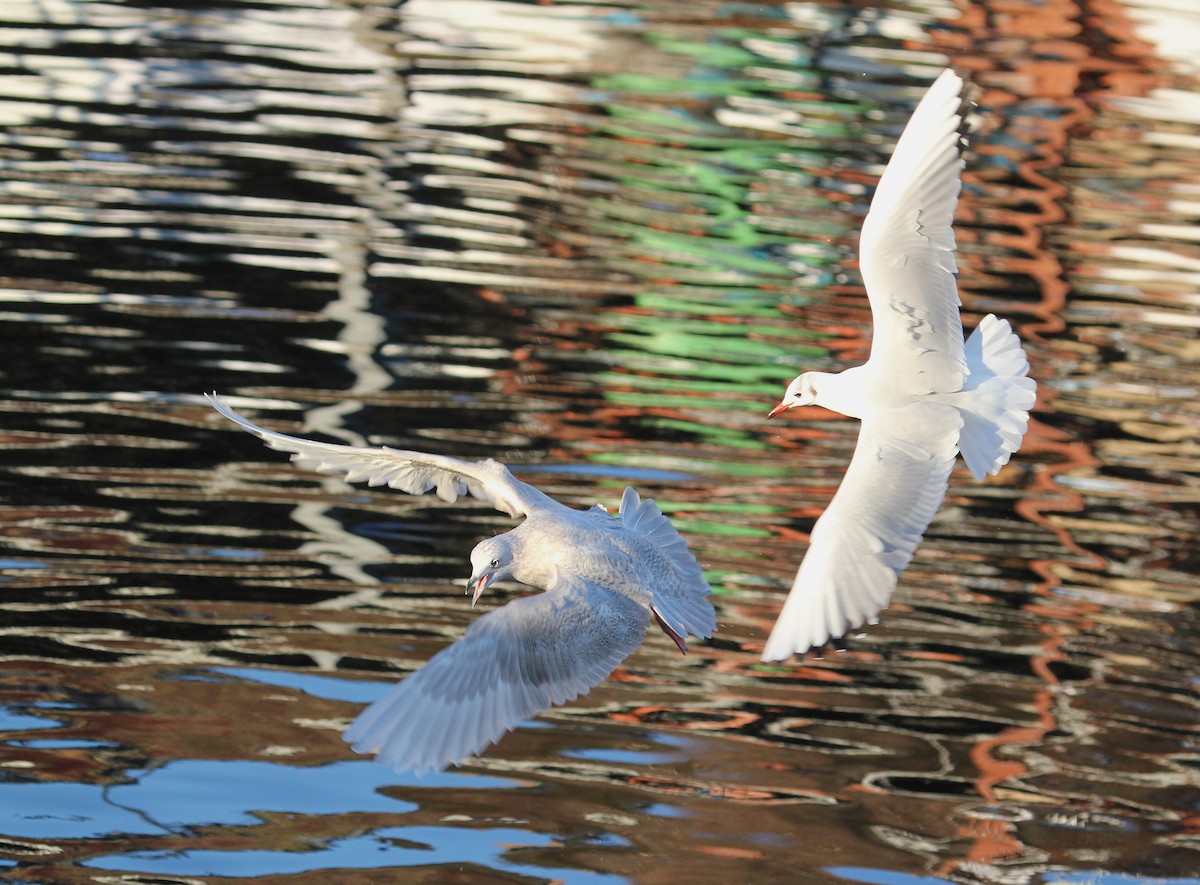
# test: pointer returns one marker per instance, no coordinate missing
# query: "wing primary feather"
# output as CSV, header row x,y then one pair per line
x,y
512,663
412,472
869,531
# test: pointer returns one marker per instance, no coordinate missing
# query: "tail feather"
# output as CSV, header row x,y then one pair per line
x,y
681,602
1000,395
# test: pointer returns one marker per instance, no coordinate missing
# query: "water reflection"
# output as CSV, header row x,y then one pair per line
x,y
589,241
488,850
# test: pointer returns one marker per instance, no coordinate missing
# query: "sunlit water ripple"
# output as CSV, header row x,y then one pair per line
x,y
592,241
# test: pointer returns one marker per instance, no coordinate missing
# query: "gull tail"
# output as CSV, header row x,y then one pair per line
x,y
680,600
999,394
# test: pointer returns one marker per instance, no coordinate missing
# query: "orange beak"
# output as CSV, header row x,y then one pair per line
x,y
779,409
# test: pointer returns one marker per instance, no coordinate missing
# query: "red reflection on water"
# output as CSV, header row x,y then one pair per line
x,y
1032,55
994,770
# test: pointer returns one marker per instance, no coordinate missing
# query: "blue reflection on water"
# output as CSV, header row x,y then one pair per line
x,y
391,847
12,721
629,757
65,811
356,691
659,809
194,793
884,877
228,553
199,792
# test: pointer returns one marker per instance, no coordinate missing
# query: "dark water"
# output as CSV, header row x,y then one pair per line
x,y
593,241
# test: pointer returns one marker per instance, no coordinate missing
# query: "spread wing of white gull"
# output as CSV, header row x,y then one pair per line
x,y
923,396
606,579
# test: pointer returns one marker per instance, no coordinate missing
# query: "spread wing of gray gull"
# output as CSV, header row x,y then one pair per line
x,y
606,579
923,396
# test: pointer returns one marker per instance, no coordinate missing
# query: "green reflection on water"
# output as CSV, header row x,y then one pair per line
x,y
708,432
710,52
646,84
670,387
719,529
688,337
688,464
725,222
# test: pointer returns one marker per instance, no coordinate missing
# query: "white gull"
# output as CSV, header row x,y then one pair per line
x,y
606,579
922,396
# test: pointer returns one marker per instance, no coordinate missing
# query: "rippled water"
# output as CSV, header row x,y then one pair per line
x,y
593,241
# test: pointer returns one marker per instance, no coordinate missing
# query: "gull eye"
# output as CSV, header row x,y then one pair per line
x,y
495,563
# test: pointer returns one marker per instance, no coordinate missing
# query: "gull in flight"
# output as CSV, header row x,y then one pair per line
x,y
922,397
605,578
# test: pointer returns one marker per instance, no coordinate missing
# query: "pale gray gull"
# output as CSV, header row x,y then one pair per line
x,y
606,579
922,396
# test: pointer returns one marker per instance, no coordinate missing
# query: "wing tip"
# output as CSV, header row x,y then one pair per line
x,y
218,402
817,650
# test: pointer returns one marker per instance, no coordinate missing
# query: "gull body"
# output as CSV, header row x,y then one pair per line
x,y
606,579
924,395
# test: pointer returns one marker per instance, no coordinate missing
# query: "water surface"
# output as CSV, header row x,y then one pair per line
x,y
593,241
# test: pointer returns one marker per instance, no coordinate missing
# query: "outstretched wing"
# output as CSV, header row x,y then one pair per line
x,y
906,252
412,472
868,534
536,652
680,600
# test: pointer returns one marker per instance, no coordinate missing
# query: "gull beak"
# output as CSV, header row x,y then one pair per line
x,y
780,409
477,584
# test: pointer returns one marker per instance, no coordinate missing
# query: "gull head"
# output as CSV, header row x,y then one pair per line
x,y
491,561
801,392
